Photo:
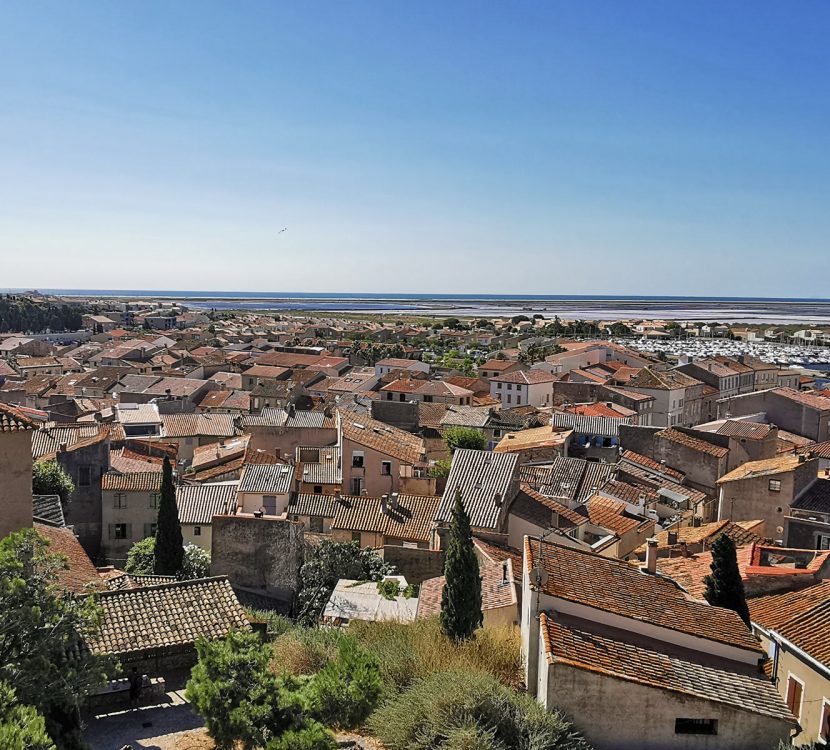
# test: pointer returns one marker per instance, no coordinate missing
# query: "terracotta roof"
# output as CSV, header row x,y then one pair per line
x,y
623,655
485,480
744,429
199,503
412,520
80,574
126,461
535,437
192,425
707,533
525,377
662,380
651,465
571,516
694,443
170,615
617,587
611,514
774,610
309,504
145,481
498,589
12,420
765,467
807,399
818,450
498,553
379,436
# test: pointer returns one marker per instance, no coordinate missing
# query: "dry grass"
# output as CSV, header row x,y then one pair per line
x,y
410,652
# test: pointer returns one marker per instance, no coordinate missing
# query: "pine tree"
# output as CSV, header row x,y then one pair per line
x,y
169,542
724,587
461,598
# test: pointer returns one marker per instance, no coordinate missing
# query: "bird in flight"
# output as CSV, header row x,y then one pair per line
x,y
282,230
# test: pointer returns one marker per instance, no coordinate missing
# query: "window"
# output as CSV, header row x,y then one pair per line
x,y
357,485
795,694
509,398
197,531
119,500
775,485
155,497
510,386
318,489
518,400
498,386
119,531
428,399
269,503
84,476
824,727
822,541
695,726
386,468
357,459
149,529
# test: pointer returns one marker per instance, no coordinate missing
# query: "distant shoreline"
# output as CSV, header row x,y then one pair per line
x,y
750,310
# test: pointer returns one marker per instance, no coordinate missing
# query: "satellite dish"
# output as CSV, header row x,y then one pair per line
x,y
779,529
538,576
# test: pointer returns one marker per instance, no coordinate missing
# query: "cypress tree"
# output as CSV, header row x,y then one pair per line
x,y
169,542
461,598
724,587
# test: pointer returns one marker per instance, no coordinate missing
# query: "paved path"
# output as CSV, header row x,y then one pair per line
x,y
146,728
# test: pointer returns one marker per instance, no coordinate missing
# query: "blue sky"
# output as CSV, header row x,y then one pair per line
x,y
456,147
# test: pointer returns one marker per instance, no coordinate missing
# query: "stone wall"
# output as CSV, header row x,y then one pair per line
x,y
258,554
416,565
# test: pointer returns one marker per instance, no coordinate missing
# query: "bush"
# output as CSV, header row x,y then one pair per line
x,y
48,478
464,437
195,563
275,624
418,649
475,711
346,690
141,557
305,651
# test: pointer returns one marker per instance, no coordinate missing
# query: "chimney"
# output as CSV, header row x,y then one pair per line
x,y
384,504
393,500
62,448
672,538
504,578
497,499
802,458
684,549
651,557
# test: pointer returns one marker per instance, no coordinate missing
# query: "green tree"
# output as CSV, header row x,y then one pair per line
x,y
724,587
330,562
440,469
169,542
461,598
141,558
48,478
40,624
246,706
347,689
465,437
21,727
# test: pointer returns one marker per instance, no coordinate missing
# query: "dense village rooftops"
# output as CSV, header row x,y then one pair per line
x,y
693,443
371,433
145,620
617,587
199,503
396,362
570,478
498,365
485,481
13,420
611,514
593,647
767,466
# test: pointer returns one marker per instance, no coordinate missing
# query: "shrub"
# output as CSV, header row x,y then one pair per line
x,y
275,624
305,651
346,690
141,557
475,710
464,437
418,649
48,478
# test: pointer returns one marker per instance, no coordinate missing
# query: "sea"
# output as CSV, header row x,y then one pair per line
x,y
755,310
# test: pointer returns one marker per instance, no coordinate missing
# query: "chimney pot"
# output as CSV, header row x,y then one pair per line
x,y
651,556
